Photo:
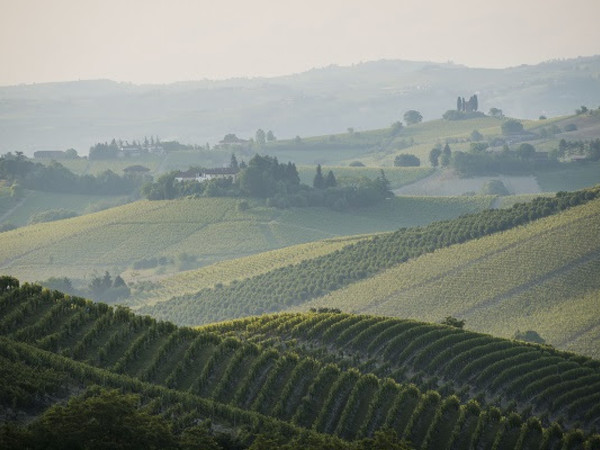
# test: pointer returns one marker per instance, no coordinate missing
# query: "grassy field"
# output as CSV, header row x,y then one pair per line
x,y
380,147
207,229
541,277
570,177
37,201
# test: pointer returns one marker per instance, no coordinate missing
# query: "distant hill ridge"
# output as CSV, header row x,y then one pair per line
x,y
317,102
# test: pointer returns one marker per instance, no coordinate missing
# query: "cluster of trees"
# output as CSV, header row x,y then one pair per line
x,y
101,287
590,149
21,171
481,162
279,184
104,288
262,138
265,177
440,157
296,284
117,147
470,105
465,109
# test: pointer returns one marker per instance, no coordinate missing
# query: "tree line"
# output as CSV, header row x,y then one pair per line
x,y
20,171
264,177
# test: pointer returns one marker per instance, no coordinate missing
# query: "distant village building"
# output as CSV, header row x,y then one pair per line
x,y
50,154
207,174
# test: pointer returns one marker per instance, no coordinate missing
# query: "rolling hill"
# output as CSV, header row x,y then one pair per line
x,y
542,277
297,285
331,374
197,232
317,102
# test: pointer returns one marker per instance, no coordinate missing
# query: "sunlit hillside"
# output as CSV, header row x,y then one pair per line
x,y
541,277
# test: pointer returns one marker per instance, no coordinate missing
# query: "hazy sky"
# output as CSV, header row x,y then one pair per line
x,y
164,41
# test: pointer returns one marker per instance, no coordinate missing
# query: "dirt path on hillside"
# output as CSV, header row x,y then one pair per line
x,y
446,182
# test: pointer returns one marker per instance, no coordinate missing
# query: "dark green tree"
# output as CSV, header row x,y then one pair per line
x,y
383,184
511,126
412,117
526,151
100,284
106,420
474,103
270,136
453,322
396,128
8,283
446,156
233,163
434,156
495,112
476,136
260,137
319,181
406,160
330,180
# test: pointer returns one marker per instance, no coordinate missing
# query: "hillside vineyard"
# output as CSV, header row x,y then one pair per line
x,y
296,284
272,372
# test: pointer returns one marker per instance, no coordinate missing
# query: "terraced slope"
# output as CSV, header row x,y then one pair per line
x,y
209,229
542,277
268,380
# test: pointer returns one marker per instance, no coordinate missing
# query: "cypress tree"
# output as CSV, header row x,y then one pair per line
x,y
330,180
319,182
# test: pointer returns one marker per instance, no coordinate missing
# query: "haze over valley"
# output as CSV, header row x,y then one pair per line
x,y
303,225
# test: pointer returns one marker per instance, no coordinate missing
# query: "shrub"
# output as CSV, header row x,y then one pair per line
x,y
512,126
407,160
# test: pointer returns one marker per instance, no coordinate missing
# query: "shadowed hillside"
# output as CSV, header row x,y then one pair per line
x,y
273,374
